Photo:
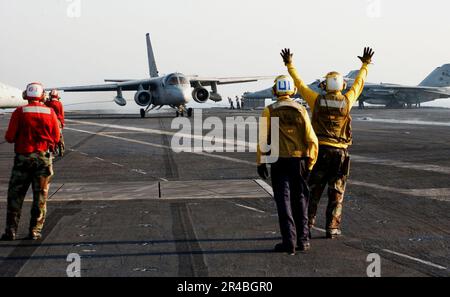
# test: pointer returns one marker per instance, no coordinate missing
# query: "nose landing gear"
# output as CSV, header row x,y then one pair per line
x,y
182,109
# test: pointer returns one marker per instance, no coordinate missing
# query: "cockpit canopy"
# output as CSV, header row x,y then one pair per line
x,y
176,79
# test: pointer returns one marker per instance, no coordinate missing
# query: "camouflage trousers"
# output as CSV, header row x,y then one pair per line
x,y
332,169
61,146
35,169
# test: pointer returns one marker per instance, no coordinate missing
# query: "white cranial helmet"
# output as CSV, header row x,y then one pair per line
x,y
334,82
35,91
284,85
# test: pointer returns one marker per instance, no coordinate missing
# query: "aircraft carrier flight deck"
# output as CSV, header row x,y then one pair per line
x,y
129,205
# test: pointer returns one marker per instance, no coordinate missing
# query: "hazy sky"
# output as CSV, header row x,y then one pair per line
x,y
55,42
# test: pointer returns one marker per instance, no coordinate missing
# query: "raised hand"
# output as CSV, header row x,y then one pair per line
x,y
286,55
367,56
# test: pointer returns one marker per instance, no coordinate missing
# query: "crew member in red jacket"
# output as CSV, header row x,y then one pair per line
x,y
34,130
54,102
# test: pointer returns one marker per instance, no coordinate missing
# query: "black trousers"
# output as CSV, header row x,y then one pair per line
x,y
291,195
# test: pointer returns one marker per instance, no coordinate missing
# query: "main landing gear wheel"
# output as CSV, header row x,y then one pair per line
x,y
177,113
142,113
189,112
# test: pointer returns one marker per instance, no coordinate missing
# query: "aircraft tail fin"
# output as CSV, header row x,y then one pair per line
x,y
151,58
440,77
352,74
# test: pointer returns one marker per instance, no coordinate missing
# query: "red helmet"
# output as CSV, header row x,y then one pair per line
x,y
35,91
54,94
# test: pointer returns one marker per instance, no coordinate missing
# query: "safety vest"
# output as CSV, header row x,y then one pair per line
x,y
331,119
292,138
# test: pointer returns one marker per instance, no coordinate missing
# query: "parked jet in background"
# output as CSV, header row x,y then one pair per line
x,y
157,91
434,86
267,93
10,97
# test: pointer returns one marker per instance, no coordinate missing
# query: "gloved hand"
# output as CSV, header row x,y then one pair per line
x,y
286,55
307,174
262,171
367,56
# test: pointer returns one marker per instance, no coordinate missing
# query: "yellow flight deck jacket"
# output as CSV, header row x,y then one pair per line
x,y
311,96
296,135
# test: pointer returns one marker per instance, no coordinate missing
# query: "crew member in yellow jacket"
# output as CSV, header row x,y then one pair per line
x,y
293,152
331,121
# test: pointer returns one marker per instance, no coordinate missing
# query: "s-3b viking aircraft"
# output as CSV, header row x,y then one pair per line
x,y
157,91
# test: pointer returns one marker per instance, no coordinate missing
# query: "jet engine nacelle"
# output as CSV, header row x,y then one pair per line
x,y
143,98
200,95
119,100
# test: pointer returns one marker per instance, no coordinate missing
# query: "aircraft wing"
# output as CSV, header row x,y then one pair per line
x,y
399,88
125,85
208,81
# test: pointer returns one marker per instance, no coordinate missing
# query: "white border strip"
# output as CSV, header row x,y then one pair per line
x,y
265,186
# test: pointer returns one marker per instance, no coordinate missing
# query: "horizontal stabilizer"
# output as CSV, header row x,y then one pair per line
x,y
117,80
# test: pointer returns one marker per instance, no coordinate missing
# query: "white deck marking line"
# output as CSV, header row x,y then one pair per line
x,y
237,143
320,229
122,132
400,164
250,208
163,179
434,194
100,159
164,147
415,259
265,186
117,164
84,154
140,171
409,122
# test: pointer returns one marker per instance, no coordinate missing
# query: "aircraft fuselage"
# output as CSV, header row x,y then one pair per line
x,y
10,97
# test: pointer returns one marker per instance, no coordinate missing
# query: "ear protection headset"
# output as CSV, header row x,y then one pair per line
x,y
284,85
336,76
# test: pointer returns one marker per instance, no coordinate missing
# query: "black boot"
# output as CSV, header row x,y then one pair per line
x,y
333,233
12,221
35,235
9,236
281,248
304,246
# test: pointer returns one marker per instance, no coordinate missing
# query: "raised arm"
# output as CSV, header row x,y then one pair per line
x,y
309,95
358,85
